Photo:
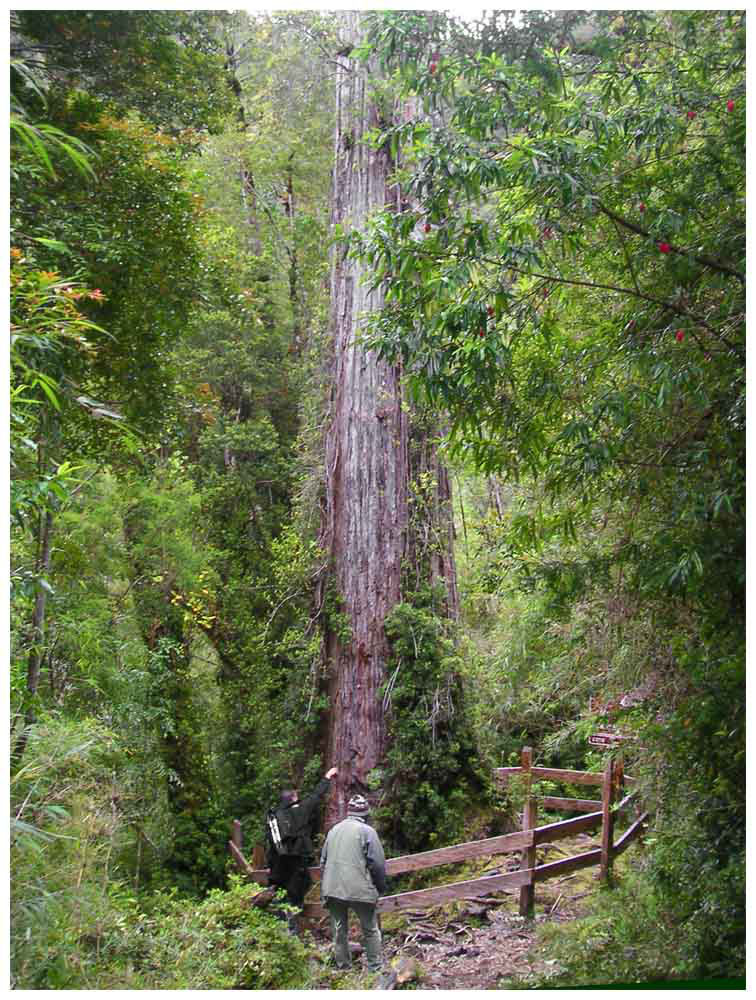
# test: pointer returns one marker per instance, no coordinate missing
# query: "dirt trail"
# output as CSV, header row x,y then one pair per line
x,y
470,957
474,944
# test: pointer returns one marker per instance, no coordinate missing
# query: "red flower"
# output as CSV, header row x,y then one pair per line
x,y
664,247
641,207
481,332
433,67
691,115
679,336
426,228
731,105
490,311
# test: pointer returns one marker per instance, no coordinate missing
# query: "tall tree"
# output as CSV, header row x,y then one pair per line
x,y
367,526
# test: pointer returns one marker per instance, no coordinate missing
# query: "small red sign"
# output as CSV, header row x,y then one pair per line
x,y
605,739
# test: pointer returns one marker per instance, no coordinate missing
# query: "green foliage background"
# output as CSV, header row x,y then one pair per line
x,y
564,290
568,283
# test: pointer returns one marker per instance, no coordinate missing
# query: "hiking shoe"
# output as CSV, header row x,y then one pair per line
x,y
329,962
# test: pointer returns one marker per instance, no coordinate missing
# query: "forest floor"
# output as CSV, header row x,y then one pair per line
x,y
472,944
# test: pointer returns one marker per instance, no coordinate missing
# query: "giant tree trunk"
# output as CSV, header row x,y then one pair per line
x,y
365,528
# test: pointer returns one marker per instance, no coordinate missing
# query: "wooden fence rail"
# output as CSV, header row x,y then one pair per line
x,y
570,805
600,813
428,859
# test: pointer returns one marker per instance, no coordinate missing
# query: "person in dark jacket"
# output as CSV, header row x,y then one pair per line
x,y
353,876
289,863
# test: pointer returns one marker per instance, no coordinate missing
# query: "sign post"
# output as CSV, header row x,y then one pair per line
x,y
606,738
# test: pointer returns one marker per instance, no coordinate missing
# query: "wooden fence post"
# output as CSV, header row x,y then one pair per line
x,y
529,821
236,834
619,778
258,856
607,821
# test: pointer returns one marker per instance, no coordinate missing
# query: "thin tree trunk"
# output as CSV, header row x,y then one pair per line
x,y
494,492
34,663
40,604
291,250
246,180
431,536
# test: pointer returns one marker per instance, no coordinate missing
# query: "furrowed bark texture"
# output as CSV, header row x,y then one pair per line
x,y
365,526
366,460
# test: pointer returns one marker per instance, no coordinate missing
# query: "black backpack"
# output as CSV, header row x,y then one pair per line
x,y
282,830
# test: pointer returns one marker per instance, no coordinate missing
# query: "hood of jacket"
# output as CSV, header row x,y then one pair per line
x,y
353,865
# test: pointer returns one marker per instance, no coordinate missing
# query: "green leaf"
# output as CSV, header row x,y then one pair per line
x,y
48,386
52,244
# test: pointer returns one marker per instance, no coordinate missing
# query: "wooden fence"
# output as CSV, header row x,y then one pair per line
x,y
600,813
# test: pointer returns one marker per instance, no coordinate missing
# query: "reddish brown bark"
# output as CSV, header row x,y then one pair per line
x,y
365,529
366,464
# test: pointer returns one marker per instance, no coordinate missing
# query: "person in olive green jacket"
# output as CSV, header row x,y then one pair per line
x,y
353,875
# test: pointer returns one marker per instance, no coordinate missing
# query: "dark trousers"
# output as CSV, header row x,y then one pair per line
x,y
289,872
371,932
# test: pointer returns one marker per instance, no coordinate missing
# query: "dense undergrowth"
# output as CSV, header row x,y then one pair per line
x,y
169,393
78,918
617,940
686,751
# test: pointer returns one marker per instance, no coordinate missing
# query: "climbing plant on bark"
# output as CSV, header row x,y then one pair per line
x,y
386,518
